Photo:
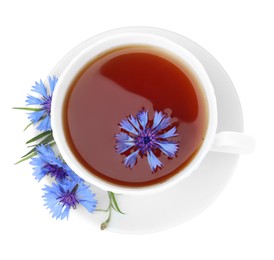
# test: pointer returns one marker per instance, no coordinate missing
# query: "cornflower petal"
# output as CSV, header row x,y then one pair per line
x,y
124,142
73,176
65,213
130,160
52,82
40,88
163,124
38,174
31,100
123,137
36,161
158,116
51,201
57,211
45,150
134,122
168,148
143,118
153,161
45,124
170,133
83,193
36,116
126,125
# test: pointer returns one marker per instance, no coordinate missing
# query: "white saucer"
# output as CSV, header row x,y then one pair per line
x,y
145,214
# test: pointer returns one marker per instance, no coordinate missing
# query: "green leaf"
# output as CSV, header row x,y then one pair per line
x,y
28,126
47,140
114,204
31,151
39,136
51,143
26,157
27,108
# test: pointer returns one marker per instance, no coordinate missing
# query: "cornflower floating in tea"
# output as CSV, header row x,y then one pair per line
x,y
143,137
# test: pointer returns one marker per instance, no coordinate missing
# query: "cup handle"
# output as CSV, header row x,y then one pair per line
x,y
233,142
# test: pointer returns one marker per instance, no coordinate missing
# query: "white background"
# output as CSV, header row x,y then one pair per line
x,y
239,34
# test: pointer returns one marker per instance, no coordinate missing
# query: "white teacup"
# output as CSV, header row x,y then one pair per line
x,y
229,142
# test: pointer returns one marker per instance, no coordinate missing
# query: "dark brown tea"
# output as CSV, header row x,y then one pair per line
x,y
135,116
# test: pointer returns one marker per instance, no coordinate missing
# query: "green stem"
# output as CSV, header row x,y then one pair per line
x,y
26,157
113,205
101,210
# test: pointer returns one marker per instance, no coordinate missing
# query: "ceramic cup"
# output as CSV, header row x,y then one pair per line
x,y
229,142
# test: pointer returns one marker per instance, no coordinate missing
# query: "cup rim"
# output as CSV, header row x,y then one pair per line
x,y
100,43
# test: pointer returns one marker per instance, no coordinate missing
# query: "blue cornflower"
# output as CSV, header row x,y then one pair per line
x,y
61,197
42,115
48,164
144,138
